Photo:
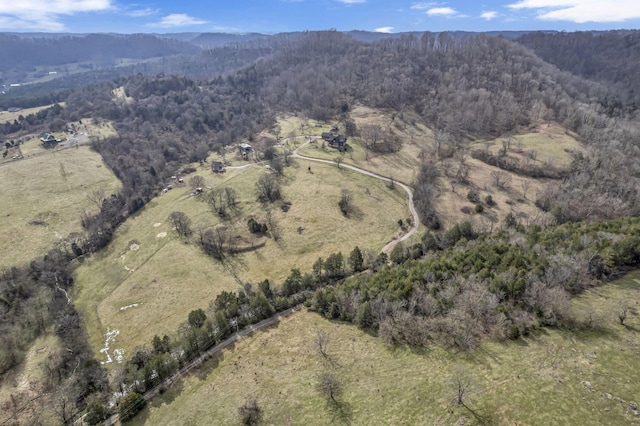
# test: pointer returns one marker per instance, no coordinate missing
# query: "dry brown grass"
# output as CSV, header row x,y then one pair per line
x,y
417,141
41,205
550,143
25,383
6,116
538,380
169,278
449,205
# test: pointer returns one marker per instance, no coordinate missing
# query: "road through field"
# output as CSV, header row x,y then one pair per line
x,y
414,213
207,355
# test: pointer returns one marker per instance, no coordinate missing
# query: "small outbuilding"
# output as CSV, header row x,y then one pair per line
x,y
217,167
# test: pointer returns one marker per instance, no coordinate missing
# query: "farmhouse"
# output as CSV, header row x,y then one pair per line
x,y
217,167
48,139
245,149
335,141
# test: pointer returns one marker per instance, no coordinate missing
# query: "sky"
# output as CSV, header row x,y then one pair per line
x,y
274,16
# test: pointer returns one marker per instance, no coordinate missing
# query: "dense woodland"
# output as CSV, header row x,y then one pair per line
x,y
463,87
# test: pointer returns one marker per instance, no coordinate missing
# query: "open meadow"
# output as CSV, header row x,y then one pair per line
x,y
6,116
417,141
555,376
149,278
43,198
24,385
549,146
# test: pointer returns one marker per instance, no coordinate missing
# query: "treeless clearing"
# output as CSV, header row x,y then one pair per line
x,y
555,376
6,116
86,131
550,145
168,278
43,197
449,204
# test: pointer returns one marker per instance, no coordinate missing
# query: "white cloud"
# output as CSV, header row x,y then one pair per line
x,y
138,13
178,20
44,15
423,6
489,15
582,11
441,11
386,30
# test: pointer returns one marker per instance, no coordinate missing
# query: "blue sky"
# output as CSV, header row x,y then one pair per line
x,y
272,16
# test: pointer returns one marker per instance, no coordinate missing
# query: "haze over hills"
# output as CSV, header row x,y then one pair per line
x,y
520,151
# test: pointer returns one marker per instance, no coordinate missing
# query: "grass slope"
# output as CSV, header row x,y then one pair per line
x,y
149,265
37,190
555,377
6,116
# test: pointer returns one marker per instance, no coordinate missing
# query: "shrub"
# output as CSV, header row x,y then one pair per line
x,y
473,196
479,208
130,405
256,227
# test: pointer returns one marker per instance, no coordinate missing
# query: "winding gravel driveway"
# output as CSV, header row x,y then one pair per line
x,y
414,213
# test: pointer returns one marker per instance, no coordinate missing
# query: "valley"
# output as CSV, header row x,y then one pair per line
x,y
319,227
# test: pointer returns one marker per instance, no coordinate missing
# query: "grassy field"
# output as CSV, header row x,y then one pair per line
x,y
6,116
26,383
554,377
86,131
550,144
42,199
402,165
149,265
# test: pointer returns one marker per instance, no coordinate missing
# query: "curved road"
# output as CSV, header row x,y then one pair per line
x,y
387,248
414,213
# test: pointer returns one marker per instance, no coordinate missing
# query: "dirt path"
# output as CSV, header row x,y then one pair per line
x,y
414,213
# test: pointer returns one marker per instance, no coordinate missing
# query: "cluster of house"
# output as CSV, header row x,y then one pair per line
x,y
334,139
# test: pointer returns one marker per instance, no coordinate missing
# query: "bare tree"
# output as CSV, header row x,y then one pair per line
x,y
526,184
213,241
181,222
63,172
250,412
272,223
346,202
268,188
321,343
622,315
231,196
501,179
97,196
329,386
196,182
461,385
217,199
338,160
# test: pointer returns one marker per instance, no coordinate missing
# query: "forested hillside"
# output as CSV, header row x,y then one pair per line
x,y
22,53
462,88
601,56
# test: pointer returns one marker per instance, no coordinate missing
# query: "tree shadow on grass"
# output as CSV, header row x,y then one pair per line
x,y
481,415
168,393
341,412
